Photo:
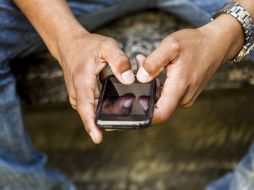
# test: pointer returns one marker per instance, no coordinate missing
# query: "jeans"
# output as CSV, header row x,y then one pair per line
x,y
21,166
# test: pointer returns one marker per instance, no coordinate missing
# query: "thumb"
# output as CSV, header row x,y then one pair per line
x,y
152,66
140,58
119,64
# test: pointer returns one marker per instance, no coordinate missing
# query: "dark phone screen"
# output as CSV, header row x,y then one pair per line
x,y
125,100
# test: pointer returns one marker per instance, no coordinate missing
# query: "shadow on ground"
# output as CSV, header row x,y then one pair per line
x,y
195,147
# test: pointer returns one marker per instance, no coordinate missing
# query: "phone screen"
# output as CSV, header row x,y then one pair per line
x,y
126,102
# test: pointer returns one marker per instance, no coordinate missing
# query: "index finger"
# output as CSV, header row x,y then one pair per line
x,y
171,94
85,90
119,63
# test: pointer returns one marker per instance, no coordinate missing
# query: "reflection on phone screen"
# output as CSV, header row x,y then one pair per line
x,y
125,100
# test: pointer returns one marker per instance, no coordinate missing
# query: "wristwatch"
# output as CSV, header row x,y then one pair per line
x,y
244,18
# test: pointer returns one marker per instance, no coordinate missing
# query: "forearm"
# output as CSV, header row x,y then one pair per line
x,y
53,20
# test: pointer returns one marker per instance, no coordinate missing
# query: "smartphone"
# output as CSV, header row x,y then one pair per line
x,y
125,107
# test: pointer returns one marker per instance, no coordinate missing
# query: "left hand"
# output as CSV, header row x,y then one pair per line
x,y
191,57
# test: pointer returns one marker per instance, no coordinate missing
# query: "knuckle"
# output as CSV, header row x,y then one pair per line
x,y
122,63
78,75
76,83
175,46
122,59
150,66
74,107
107,41
73,102
172,43
81,82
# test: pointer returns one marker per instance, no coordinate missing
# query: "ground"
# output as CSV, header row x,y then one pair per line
x,y
195,147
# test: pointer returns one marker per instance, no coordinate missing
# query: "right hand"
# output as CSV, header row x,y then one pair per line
x,y
82,58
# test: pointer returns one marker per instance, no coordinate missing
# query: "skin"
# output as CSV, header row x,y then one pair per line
x,y
190,57
81,55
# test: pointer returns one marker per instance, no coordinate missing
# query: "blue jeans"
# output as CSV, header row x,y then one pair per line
x,y
21,166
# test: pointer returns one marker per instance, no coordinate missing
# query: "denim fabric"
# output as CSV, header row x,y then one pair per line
x,y
21,166
242,178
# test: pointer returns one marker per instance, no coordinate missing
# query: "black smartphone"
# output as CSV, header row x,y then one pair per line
x,y
125,107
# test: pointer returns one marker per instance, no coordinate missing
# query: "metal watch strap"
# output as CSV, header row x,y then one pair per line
x,y
244,18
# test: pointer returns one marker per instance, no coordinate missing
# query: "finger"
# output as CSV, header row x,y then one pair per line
x,y
140,58
111,130
158,83
73,102
96,104
105,73
107,106
167,52
71,91
144,102
85,89
171,94
123,104
167,103
96,93
119,63
187,102
159,88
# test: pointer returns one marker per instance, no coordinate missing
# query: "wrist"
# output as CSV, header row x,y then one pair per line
x,y
64,37
248,5
231,34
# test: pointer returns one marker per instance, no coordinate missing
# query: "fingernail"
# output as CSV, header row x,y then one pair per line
x,y
128,77
128,103
110,130
142,75
144,105
140,58
93,136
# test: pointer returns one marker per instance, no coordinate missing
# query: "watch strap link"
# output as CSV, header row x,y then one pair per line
x,y
244,18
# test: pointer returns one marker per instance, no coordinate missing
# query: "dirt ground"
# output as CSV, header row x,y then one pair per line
x,y
197,146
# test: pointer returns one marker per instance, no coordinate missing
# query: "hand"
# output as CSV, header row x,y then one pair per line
x,y
191,57
82,58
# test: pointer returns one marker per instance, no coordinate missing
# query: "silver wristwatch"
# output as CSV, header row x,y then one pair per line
x,y
244,18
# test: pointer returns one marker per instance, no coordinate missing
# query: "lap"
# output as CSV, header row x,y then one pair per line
x,y
18,38
197,12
